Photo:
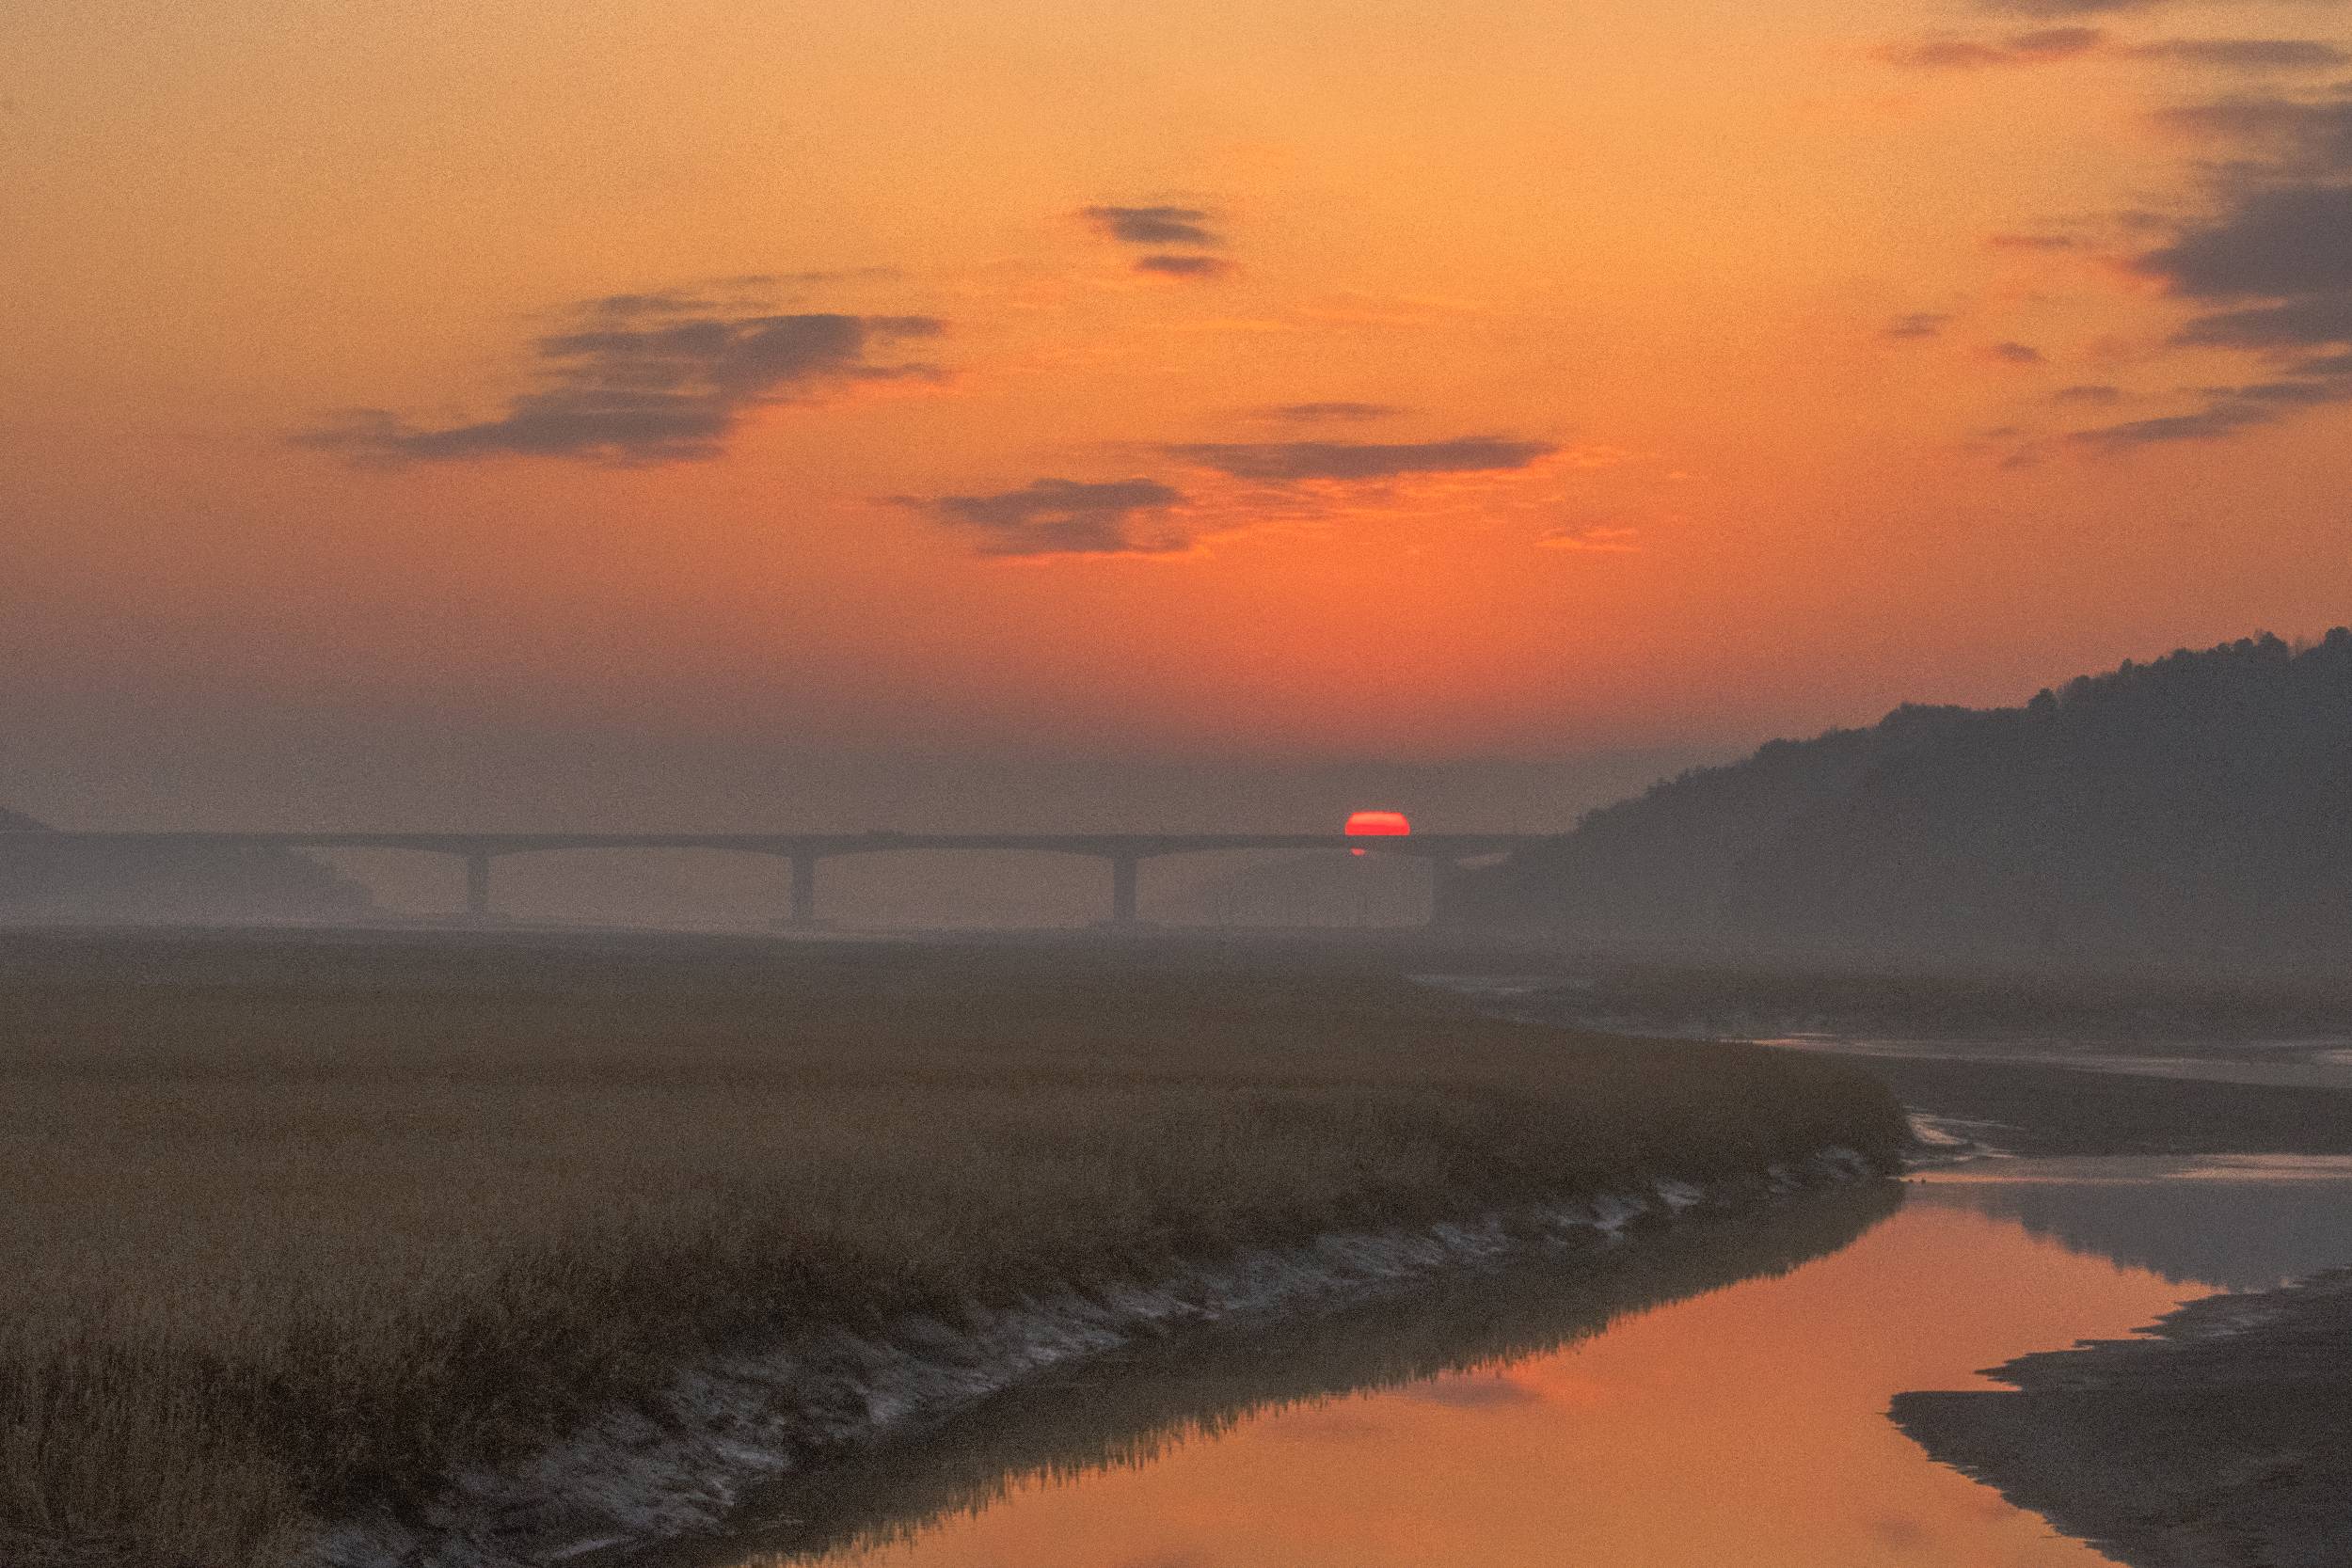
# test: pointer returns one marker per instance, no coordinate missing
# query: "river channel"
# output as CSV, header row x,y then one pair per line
x,y
1713,1398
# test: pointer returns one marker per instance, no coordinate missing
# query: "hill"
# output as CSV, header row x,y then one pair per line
x,y
41,880
2199,807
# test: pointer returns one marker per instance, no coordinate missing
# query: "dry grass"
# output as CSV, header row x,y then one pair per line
x,y
290,1227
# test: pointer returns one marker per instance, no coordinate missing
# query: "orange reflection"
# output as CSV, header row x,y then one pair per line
x,y
1746,1426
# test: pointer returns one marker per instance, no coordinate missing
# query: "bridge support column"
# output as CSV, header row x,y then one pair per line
x,y
804,891
478,888
1123,889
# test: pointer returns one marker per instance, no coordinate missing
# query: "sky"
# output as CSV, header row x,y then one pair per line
x,y
680,413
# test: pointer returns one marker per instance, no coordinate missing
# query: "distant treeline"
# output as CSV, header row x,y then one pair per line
x,y
44,878
2198,807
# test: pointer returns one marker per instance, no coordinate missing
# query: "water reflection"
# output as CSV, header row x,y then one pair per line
x,y
1439,1346
1497,1423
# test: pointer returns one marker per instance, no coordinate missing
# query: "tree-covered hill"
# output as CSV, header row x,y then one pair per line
x,y
2196,806
46,880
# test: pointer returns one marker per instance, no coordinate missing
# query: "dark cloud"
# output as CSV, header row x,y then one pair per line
x,y
647,378
2089,396
2303,323
2287,138
1286,462
1330,413
2032,241
1919,323
2044,46
2269,258
2014,353
1155,226
2285,241
1063,516
2246,54
1185,266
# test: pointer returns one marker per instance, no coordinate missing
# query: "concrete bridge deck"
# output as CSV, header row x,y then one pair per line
x,y
1125,851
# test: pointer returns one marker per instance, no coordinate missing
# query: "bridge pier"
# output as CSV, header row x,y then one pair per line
x,y
804,891
478,888
1124,869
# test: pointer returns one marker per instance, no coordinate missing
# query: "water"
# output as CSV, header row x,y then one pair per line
x,y
1720,1401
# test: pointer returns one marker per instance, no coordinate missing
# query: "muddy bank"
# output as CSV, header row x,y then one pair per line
x,y
2036,1109
2223,1441
680,1464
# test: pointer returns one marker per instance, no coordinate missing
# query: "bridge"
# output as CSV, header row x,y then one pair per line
x,y
1125,852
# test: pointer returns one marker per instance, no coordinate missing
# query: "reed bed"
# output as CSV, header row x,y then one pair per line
x,y
289,1226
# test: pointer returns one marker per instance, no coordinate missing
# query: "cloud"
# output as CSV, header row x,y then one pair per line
x,y
2227,411
2014,353
2089,396
2049,9
2044,46
1594,539
2032,241
662,377
1155,226
1185,266
1919,323
2244,53
2304,323
1064,517
2285,241
2286,137
2269,262
1290,462
1330,413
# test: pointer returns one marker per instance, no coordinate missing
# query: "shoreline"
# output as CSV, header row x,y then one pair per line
x,y
678,1464
2221,1438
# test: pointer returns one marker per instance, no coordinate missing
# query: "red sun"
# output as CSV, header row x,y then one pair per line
x,y
1377,824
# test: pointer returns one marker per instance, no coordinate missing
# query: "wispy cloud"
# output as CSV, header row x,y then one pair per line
x,y
2048,8
2042,46
1172,235
1592,539
2225,411
2014,353
647,378
1330,413
1919,323
2251,55
1155,226
1185,266
1290,462
1064,517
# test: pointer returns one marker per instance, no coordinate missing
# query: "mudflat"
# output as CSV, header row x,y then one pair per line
x,y
2224,1440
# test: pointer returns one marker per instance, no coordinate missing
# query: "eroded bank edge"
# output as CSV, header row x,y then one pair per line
x,y
678,1462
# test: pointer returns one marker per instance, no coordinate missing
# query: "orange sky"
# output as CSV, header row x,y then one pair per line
x,y
1720,348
